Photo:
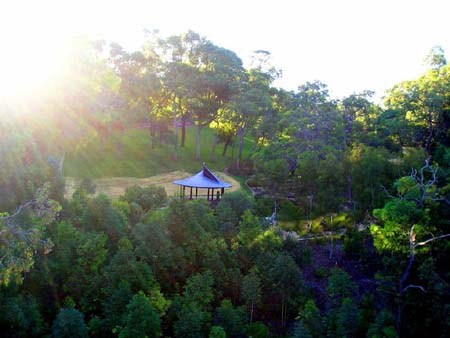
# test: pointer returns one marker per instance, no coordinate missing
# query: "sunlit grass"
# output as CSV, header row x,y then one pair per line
x,y
138,159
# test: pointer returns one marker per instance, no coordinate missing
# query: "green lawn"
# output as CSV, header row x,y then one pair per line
x,y
139,160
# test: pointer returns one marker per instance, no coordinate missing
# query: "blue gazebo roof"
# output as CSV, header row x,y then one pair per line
x,y
204,179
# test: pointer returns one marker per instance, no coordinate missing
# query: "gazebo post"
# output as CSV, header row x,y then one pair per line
x,y
212,194
196,192
207,196
184,191
222,191
190,194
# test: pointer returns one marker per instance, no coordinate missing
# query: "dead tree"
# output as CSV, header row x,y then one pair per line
x,y
427,193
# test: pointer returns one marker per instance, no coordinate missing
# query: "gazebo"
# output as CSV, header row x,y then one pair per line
x,y
205,179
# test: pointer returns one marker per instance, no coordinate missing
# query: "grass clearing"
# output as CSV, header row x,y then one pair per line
x,y
115,186
137,159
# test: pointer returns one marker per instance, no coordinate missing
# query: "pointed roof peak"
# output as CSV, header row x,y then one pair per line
x,y
209,174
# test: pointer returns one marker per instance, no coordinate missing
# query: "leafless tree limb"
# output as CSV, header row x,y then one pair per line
x,y
18,210
431,240
412,286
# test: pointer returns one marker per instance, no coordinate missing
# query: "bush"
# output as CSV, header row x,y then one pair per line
x,y
252,182
142,319
354,244
264,206
148,198
217,332
69,323
232,207
231,319
289,211
321,272
258,330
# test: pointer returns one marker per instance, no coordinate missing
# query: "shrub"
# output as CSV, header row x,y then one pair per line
x,y
69,323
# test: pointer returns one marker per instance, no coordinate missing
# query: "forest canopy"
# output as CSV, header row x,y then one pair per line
x,y
341,228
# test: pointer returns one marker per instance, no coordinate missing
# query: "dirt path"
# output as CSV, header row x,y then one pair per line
x,y
115,186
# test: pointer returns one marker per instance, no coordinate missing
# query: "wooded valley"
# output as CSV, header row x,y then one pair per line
x,y
341,227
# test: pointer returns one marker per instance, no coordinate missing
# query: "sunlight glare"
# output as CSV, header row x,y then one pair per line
x,y
35,45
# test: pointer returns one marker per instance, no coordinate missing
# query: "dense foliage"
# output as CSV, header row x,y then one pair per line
x,y
346,234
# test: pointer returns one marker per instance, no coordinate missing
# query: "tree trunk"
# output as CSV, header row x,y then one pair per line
x,y
283,312
274,215
405,276
197,143
254,150
331,247
241,146
150,132
371,193
225,147
102,144
183,130
60,165
251,313
119,149
213,151
430,133
175,125
350,191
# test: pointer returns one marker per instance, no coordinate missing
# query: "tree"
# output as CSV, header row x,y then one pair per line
x,y
249,104
23,233
249,230
154,245
139,84
310,321
383,327
69,324
192,322
142,319
251,291
101,216
231,208
219,71
423,103
340,286
346,318
436,58
20,315
179,53
406,218
280,274
148,198
199,290
74,267
230,318
258,330
194,315
217,332
273,175
122,278
360,117
370,169
313,146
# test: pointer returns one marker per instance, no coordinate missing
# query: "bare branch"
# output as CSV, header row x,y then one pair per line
x,y
412,286
19,210
387,192
431,240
